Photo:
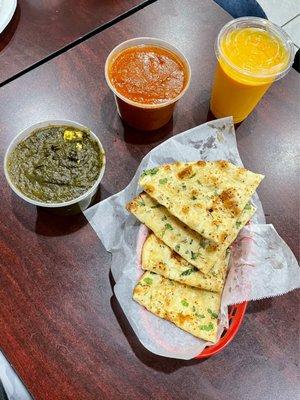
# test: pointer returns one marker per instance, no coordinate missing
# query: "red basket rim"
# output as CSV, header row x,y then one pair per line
x,y
230,333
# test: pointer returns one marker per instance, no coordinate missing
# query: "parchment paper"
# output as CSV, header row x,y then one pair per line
x,y
261,265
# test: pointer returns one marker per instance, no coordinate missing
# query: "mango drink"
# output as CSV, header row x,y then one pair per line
x,y
252,53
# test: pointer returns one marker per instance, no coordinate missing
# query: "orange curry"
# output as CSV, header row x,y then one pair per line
x,y
148,74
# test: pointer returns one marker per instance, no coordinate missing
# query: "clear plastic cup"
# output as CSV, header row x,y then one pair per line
x,y
236,91
145,116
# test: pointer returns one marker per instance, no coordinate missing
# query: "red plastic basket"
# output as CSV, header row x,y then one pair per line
x,y
235,312
235,316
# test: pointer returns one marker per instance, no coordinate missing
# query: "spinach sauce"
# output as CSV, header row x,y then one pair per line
x,y
55,164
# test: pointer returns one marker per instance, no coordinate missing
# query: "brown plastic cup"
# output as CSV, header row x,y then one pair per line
x,y
146,117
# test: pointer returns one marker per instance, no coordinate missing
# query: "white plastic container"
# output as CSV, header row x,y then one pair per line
x,y
68,207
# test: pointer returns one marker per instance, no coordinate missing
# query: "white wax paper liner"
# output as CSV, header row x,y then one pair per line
x,y
262,265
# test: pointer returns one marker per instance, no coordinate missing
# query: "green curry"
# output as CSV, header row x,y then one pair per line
x,y
55,164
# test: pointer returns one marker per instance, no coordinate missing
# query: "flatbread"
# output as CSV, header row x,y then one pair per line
x,y
159,258
186,242
194,248
207,196
193,310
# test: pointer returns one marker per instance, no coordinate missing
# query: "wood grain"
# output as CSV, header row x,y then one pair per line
x,y
40,28
61,326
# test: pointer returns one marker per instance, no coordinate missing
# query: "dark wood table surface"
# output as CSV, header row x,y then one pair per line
x,y
42,27
61,327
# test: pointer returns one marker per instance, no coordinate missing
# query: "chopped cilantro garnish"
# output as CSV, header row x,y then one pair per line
x,y
163,181
194,255
151,171
164,218
192,176
213,314
157,206
208,327
183,186
177,247
141,203
169,226
194,198
184,303
197,314
187,272
238,224
248,206
191,241
149,281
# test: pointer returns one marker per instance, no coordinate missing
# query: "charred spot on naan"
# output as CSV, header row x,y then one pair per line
x,y
138,289
176,256
181,318
223,237
228,197
185,172
161,266
185,209
149,188
222,164
213,180
131,206
212,247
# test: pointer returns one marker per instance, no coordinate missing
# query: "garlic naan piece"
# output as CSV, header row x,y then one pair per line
x,y
199,251
193,310
207,196
194,248
159,258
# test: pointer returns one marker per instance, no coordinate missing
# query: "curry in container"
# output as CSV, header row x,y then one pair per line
x,y
55,164
148,74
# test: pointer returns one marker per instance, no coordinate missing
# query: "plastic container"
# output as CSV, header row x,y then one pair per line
x,y
73,206
145,116
236,91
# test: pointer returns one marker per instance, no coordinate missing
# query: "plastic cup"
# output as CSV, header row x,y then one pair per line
x,y
145,116
73,206
237,91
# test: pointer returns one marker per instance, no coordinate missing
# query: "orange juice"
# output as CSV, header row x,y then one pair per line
x,y
251,53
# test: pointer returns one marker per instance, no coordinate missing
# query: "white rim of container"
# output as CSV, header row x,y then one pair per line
x,y
146,41
26,133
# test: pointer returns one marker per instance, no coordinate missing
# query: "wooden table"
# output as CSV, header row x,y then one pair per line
x,y
61,326
41,28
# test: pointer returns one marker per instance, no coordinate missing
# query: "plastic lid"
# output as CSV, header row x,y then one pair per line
x,y
263,24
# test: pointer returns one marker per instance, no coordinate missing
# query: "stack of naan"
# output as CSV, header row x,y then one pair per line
x,y
195,211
